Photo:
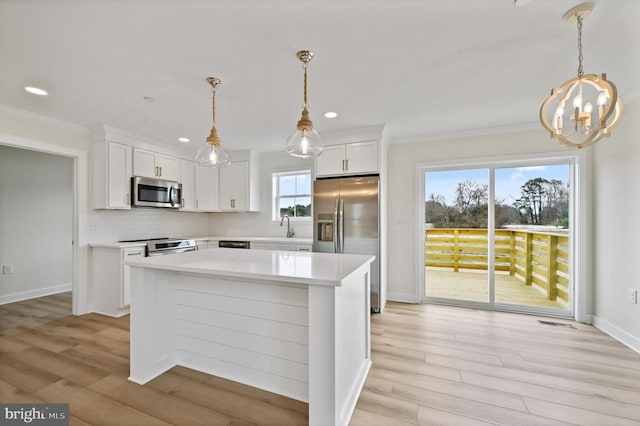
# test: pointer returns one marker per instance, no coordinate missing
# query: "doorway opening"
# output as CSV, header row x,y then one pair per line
x,y
500,235
79,228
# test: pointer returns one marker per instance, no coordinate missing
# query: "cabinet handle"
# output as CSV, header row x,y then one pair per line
x,y
197,204
126,199
160,171
233,203
137,253
182,203
343,165
346,162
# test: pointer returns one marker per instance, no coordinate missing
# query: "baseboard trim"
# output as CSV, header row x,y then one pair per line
x,y
402,297
32,294
617,333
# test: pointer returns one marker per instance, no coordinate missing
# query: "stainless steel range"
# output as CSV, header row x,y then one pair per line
x,y
158,246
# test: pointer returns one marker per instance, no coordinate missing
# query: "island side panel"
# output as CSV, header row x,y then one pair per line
x,y
254,333
339,347
353,341
152,341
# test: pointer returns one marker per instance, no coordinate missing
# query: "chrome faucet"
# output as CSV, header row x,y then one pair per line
x,y
290,232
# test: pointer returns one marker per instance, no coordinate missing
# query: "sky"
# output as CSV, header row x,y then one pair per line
x,y
508,181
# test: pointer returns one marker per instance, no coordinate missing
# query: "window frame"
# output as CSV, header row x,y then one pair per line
x,y
276,197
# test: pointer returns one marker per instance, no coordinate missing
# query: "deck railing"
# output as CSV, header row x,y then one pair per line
x,y
535,258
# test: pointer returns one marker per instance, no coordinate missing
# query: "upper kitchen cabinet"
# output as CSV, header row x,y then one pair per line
x,y
111,165
154,165
239,183
188,181
348,158
206,189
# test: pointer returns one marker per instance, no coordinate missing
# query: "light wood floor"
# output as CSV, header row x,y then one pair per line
x,y
432,365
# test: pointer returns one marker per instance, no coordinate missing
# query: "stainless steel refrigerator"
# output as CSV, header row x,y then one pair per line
x,y
346,220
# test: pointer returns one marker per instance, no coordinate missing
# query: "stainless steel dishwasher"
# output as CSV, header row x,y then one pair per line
x,y
234,244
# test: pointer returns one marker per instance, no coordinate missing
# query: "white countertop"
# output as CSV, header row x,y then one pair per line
x,y
327,269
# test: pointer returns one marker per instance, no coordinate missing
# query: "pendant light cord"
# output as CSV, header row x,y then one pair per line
x,y
306,104
213,105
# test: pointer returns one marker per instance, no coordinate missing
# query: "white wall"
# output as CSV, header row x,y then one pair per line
x,y
617,227
36,202
261,223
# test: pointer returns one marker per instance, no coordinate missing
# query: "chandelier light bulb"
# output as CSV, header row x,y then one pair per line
x,y
603,97
588,107
577,102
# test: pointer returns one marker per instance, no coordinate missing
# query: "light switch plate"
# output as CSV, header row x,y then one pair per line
x,y
633,296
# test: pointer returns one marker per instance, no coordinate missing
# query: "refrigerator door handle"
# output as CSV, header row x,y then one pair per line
x,y
340,226
335,227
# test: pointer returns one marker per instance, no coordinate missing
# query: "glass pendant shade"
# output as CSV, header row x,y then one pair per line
x,y
209,155
304,143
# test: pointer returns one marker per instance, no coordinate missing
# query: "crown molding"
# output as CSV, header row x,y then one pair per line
x,y
485,131
45,119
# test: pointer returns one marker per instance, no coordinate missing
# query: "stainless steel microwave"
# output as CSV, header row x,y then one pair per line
x,y
148,192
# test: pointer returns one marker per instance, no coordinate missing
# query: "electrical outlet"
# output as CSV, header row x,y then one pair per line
x,y
633,296
7,269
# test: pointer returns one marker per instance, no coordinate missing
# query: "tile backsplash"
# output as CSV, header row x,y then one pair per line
x,y
116,225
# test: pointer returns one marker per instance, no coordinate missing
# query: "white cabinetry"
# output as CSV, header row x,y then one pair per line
x,y
154,165
239,184
111,166
280,246
111,279
188,181
234,186
206,189
349,158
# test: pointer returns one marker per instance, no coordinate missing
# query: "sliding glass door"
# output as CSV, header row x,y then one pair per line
x,y
499,237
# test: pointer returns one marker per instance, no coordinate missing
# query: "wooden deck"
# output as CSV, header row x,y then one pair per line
x,y
472,285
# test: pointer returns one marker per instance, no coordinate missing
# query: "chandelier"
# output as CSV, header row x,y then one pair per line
x,y
586,108
211,153
305,141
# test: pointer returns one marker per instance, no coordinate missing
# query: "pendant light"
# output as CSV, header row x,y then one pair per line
x,y
305,141
211,153
585,108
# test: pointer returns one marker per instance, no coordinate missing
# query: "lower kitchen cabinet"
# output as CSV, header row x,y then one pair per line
x,y
111,280
280,246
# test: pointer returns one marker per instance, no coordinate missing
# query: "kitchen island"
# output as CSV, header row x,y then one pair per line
x,y
293,323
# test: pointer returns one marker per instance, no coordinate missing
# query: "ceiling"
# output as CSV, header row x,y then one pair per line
x,y
420,67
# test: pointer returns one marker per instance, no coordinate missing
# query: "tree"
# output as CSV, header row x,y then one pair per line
x,y
471,204
543,202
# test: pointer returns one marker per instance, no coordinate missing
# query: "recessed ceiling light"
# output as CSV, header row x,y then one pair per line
x,y
149,99
183,139
521,3
330,114
35,90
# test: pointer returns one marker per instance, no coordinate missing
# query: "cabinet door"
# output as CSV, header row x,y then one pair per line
x,y
331,161
144,163
206,188
168,167
361,157
188,180
118,176
125,290
234,186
